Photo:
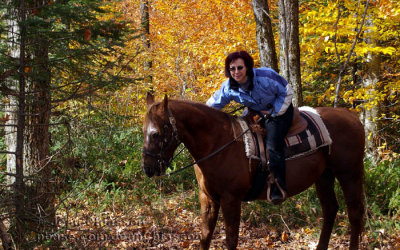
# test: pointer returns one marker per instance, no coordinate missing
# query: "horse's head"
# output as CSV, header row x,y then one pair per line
x,y
160,137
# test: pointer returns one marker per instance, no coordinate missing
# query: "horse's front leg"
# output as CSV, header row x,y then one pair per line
x,y
231,208
209,216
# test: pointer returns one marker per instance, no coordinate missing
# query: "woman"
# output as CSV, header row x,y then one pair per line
x,y
265,91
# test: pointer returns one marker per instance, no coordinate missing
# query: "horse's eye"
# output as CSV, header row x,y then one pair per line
x,y
155,135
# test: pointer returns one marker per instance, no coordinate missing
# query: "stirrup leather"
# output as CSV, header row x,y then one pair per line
x,y
271,181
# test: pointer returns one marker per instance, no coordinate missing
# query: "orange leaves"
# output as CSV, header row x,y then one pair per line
x,y
189,41
27,69
4,118
87,34
35,12
284,237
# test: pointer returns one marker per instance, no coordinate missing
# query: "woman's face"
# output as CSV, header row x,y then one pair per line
x,y
238,70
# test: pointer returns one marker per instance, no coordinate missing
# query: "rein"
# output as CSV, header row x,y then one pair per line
x,y
204,158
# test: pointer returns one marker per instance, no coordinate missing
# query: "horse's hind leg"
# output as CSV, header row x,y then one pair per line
x,y
352,186
329,204
209,216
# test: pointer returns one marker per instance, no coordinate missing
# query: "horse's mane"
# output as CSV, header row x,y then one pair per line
x,y
215,113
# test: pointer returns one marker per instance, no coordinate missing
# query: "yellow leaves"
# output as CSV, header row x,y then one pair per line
x,y
388,50
395,117
189,42
370,136
364,49
383,146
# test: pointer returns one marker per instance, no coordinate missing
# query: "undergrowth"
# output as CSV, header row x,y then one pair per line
x,y
109,177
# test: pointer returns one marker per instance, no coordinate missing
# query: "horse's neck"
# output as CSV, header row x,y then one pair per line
x,y
205,131
201,129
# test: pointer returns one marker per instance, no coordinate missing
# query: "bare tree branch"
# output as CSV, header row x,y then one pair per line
x,y
336,24
349,55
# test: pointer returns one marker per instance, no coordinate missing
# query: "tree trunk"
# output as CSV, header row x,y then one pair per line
x,y
289,46
145,23
19,191
37,138
265,36
371,124
12,83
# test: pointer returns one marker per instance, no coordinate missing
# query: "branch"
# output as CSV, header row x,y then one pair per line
x,y
9,125
6,74
348,57
7,152
336,23
3,88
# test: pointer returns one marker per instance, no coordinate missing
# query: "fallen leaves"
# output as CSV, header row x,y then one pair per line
x,y
284,237
168,224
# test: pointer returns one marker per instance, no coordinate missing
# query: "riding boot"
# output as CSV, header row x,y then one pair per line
x,y
277,128
278,194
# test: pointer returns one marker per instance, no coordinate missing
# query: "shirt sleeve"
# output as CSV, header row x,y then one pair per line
x,y
283,98
278,88
220,98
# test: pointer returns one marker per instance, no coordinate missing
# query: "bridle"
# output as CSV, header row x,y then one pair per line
x,y
160,156
165,144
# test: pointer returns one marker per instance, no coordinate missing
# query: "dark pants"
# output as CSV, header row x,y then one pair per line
x,y
277,128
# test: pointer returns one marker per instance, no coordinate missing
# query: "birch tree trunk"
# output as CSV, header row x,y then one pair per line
x,y
289,47
371,124
12,83
265,36
28,110
13,88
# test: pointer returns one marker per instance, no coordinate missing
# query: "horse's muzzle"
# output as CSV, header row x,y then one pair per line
x,y
151,170
148,170
153,164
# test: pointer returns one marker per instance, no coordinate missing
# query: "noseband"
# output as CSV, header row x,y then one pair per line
x,y
164,143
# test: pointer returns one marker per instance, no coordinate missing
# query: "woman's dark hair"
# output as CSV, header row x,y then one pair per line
x,y
248,62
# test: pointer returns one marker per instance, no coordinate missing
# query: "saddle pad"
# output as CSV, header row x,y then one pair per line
x,y
316,135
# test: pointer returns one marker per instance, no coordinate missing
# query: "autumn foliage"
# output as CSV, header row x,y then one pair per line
x,y
190,40
99,104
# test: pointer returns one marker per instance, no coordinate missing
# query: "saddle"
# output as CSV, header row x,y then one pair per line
x,y
263,172
307,134
299,124
303,137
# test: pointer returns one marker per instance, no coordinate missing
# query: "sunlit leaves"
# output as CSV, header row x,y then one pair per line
x,y
190,40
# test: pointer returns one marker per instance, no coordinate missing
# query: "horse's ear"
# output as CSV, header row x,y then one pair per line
x,y
149,99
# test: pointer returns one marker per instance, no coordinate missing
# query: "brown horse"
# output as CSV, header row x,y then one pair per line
x,y
225,178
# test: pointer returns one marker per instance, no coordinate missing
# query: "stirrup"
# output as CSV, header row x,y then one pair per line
x,y
271,181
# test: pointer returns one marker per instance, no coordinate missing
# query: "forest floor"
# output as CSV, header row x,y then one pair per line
x,y
168,225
